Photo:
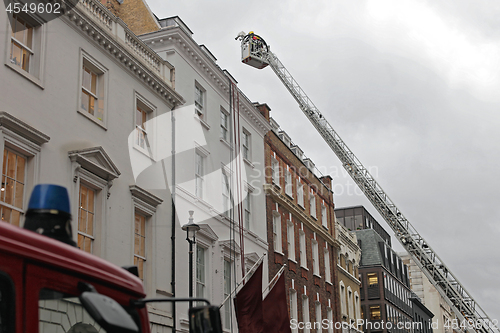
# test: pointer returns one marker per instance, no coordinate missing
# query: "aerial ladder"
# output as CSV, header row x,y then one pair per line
x,y
256,53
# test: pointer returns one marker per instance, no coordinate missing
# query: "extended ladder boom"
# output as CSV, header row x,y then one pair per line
x,y
256,53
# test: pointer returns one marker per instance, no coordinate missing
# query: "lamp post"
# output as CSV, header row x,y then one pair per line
x,y
191,228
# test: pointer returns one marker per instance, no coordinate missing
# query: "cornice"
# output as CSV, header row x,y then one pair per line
x,y
19,127
348,275
175,36
112,36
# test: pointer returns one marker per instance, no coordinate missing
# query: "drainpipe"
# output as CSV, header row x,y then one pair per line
x,y
172,119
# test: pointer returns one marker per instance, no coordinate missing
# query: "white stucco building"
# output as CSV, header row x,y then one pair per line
x,y
72,91
219,166
431,298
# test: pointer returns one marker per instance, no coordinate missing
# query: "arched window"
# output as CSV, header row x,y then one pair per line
x,y
343,307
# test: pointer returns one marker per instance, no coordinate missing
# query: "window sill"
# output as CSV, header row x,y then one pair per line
x,y
301,206
289,195
279,252
26,75
304,268
226,143
143,151
325,227
314,217
204,203
329,282
276,185
203,122
316,275
292,260
93,119
247,161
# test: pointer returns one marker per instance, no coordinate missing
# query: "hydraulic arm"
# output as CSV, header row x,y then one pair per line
x,y
256,53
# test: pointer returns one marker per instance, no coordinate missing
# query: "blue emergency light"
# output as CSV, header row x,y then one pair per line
x,y
49,213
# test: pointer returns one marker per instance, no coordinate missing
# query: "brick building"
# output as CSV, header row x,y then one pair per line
x,y
301,229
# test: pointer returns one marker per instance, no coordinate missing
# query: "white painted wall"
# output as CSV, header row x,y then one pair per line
x,y
52,110
193,66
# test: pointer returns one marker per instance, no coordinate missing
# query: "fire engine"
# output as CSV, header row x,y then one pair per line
x,y
49,285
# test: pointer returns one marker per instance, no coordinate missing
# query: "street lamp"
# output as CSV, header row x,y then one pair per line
x,y
191,228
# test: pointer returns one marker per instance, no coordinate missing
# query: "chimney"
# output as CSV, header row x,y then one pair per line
x,y
327,180
264,109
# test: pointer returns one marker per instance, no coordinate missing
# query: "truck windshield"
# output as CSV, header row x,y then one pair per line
x,y
60,312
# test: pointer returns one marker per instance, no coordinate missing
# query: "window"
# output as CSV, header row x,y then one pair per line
x,y
248,211
89,92
246,145
300,193
25,48
21,50
12,189
324,217
375,312
20,162
143,112
302,245
140,243
199,173
227,291
288,183
293,308
318,317
291,240
226,194
140,127
315,257
350,302
7,304
312,204
329,316
305,312
224,125
275,168
372,279
145,204
356,305
200,272
93,190
277,231
93,80
199,101
343,307
328,273
86,217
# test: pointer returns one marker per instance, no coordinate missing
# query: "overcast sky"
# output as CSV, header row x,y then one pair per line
x,y
412,87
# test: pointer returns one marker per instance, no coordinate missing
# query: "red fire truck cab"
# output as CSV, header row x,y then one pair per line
x,y
41,280
51,287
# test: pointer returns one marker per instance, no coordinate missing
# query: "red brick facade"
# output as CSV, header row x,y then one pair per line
x,y
284,208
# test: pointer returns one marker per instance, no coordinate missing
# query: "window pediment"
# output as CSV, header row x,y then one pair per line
x,y
230,246
22,129
145,196
207,232
96,161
